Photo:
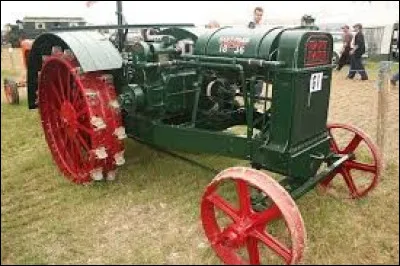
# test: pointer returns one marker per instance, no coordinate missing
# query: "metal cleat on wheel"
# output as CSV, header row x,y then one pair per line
x,y
69,55
55,50
107,78
101,153
119,158
97,174
111,175
114,104
120,133
98,122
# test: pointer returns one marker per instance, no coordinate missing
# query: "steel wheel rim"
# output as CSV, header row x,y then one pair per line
x,y
284,207
64,114
344,171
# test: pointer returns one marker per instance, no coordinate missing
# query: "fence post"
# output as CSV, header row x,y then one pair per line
x,y
383,86
11,53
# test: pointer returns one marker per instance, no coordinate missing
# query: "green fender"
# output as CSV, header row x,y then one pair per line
x,y
93,51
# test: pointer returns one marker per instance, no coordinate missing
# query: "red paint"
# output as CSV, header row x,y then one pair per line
x,y
66,107
316,51
247,226
354,165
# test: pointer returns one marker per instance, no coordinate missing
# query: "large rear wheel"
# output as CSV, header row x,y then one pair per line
x,y
81,119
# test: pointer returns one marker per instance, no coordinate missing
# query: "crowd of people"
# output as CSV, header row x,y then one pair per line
x,y
352,51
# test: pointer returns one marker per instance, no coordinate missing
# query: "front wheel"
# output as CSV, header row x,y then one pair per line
x,y
359,175
241,235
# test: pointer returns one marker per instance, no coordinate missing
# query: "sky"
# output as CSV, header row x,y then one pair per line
x,y
200,12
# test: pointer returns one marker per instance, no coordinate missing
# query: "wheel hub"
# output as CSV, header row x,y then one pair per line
x,y
69,117
232,238
235,235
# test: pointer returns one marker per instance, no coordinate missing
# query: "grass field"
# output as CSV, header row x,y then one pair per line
x,y
150,214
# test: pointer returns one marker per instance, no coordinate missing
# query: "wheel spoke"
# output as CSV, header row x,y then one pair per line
x,y
224,206
273,244
64,145
349,181
244,197
333,143
68,86
62,92
65,138
54,108
69,150
77,157
85,129
75,93
252,249
352,146
77,147
360,166
329,178
55,93
82,112
266,216
83,142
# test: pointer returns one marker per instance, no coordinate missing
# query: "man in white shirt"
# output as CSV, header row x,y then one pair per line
x,y
258,14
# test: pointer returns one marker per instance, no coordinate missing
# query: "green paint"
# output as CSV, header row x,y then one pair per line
x,y
185,88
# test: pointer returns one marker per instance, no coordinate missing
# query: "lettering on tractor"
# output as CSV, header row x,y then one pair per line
x,y
317,51
175,89
233,44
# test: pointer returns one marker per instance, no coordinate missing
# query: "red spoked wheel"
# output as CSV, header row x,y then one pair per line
x,y
81,119
240,235
11,91
360,174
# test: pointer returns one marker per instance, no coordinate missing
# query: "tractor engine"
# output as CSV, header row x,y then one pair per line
x,y
160,84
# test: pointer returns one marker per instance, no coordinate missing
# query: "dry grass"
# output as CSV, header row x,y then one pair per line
x,y
150,215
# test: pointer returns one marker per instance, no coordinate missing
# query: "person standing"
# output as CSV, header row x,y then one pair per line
x,y
345,53
356,65
257,20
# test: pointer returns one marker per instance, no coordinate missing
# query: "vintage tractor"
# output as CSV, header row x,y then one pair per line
x,y
11,86
185,88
